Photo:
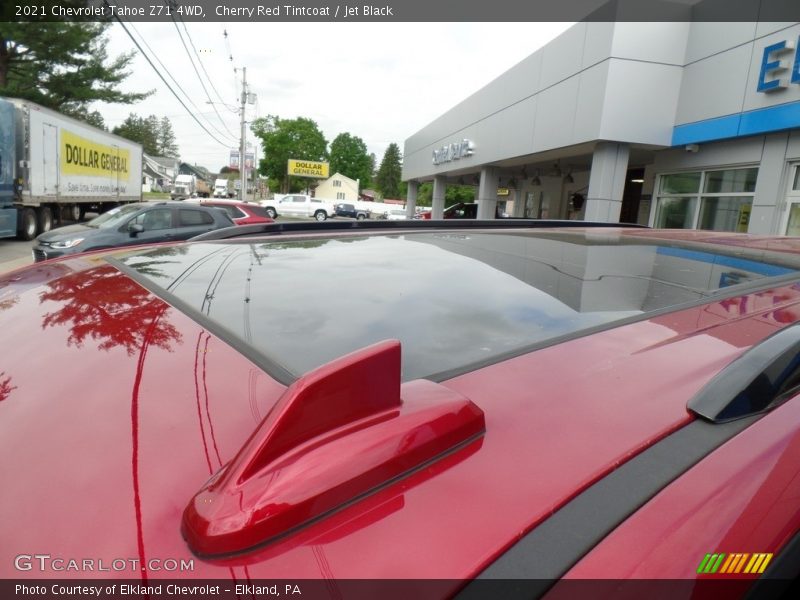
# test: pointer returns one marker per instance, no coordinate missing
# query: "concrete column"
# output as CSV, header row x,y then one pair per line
x,y
520,198
606,182
411,198
487,193
439,186
767,214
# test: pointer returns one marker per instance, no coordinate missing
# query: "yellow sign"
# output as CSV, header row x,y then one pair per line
x,y
744,218
80,156
308,168
502,191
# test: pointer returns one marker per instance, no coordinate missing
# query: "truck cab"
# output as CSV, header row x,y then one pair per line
x,y
222,189
184,187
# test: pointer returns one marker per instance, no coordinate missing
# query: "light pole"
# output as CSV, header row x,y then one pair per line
x,y
246,98
242,168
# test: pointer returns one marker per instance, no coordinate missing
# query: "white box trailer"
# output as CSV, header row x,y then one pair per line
x,y
59,167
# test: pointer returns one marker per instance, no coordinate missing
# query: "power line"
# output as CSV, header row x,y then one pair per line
x,y
200,60
196,72
163,66
230,58
147,58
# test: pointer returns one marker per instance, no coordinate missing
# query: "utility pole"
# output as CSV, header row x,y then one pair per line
x,y
242,168
255,170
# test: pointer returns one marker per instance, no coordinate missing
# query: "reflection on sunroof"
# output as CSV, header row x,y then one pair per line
x,y
453,299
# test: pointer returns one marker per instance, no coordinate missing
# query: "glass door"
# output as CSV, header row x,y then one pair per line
x,y
793,202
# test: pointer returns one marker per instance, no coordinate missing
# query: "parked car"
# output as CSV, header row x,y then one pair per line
x,y
395,214
460,210
349,210
299,205
241,213
517,406
129,225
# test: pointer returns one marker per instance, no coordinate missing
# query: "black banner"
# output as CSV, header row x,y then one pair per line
x,y
391,589
267,11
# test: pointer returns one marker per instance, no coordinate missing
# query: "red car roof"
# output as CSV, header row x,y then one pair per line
x,y
133,405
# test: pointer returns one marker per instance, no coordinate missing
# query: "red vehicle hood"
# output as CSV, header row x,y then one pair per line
x,y
115,408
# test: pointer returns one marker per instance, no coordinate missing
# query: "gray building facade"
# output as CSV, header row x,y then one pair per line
x,y
669,124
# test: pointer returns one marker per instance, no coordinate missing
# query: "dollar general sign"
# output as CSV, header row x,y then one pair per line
x,y
307,168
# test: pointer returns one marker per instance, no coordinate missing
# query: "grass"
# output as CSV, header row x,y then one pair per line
x,y
155,196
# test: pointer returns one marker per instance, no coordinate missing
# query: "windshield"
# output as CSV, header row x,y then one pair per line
x,y
114,217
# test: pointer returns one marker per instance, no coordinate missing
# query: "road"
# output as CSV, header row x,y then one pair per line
x,y
14,254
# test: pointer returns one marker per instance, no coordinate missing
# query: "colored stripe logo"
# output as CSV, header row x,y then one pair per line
x,y
734,562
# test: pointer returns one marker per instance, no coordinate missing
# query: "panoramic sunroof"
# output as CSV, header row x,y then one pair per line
x,y
453,299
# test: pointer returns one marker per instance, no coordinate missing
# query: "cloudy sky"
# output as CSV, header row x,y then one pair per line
x,y
382,82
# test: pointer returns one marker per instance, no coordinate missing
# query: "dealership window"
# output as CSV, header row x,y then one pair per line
x,y
337,183
340,195
717,200
793,201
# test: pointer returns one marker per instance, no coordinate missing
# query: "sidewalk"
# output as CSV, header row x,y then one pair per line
x,y
10,265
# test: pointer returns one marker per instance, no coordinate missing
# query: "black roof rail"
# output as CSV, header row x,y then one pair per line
x,y
762,378
410,224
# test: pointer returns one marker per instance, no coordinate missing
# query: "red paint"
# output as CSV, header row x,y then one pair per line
x,y
337,433
741,498
250,218
556,420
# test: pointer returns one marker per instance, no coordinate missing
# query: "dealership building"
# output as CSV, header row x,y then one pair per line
x,y
685,125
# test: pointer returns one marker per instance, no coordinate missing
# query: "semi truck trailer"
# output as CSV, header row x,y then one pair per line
x,y
202,188
54,167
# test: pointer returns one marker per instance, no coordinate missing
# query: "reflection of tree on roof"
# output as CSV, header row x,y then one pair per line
x,y
112,309
5,386
6,303
294,244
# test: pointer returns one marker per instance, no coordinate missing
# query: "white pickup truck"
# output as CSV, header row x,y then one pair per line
x,y
300,205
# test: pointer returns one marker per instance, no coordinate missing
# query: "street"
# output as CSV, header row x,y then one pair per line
x,y
14,254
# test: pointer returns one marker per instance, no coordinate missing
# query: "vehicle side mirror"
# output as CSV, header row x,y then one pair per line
x,y
135,229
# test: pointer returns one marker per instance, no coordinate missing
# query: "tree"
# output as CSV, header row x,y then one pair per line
x,y
154,134
390,172
167,145
63,66
452,194
373,166
141,131
349,157
283,139
93,118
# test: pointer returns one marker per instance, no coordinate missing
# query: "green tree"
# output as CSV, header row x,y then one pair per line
x,y
390,172
154,134
452,194
139,130
459,193
94,118
373,166
167,145
283,139
350,158
63,66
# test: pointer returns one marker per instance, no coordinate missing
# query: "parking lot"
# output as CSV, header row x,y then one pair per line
x,y
17,253
14,254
